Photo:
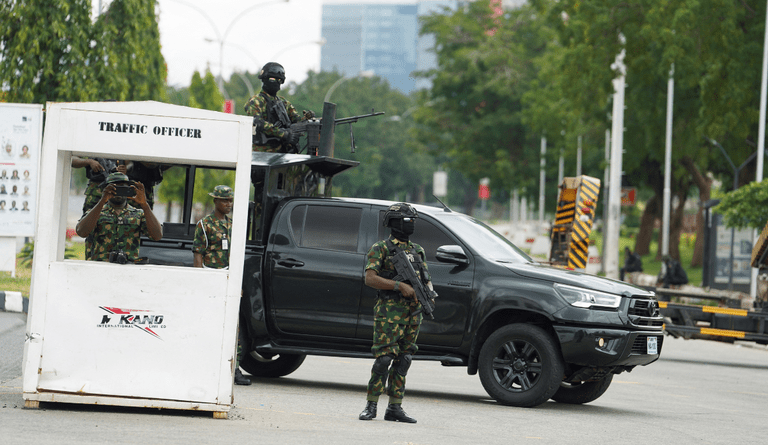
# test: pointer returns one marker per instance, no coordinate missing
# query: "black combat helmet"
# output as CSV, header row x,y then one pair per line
x,y
398,212
272,70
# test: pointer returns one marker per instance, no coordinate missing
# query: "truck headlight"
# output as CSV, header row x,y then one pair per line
x,y
587,298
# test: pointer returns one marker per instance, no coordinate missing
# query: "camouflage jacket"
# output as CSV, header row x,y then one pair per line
x,y
395,310
118,229
257,106
210,234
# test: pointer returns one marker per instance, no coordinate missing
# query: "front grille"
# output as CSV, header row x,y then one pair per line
x,y
640,346
644,312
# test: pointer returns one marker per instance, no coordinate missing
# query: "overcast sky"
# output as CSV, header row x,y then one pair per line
x,y
258,32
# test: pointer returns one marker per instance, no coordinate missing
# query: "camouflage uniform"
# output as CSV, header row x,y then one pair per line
x,y
210,233
257,106
117,229
93,193
395,328
92,196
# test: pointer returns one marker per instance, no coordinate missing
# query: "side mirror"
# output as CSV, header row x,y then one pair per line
x,y
451,254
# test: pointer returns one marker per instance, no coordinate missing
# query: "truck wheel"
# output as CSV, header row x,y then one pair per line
x,y
584,392
277,366
520,365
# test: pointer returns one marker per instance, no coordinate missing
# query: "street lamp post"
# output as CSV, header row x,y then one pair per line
x,y
320,42
221,38
258,63
366,74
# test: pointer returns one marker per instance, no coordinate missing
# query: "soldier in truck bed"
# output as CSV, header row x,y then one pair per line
x,y
273,114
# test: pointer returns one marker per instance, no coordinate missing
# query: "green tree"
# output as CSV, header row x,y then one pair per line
x,y
44,50
51,51
126,57
746,207
202,93
716,52
473,113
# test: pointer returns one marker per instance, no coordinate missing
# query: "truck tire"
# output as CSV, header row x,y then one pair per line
x,y
278,366
520,365
583,392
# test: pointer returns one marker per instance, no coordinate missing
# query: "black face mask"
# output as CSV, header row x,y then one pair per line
x,y
271,86
402,229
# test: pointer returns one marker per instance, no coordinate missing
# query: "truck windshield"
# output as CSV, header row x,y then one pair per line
x,y
484,240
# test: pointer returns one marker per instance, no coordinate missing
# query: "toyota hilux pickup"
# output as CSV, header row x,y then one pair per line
x,y
532,332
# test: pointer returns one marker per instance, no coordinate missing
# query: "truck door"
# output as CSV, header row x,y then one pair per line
x,y
314,261
453,284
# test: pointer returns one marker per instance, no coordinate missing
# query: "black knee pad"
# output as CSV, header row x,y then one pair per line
x,y
402,363
381,364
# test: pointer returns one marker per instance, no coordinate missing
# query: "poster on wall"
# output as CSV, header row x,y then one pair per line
x,y
21,127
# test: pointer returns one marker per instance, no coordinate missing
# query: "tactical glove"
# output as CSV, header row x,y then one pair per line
x,y
290,138
308,114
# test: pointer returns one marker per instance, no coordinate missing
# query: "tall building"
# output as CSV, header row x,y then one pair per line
x,y
382,38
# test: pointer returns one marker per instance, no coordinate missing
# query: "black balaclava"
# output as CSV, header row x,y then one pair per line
x,y
270,86
272,76
401,229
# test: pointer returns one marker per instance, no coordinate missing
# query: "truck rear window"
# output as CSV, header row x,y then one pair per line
x,y
326,227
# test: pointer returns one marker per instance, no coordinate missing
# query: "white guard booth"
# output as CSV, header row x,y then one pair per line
x,y
133,335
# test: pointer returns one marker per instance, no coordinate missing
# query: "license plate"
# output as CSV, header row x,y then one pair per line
x,y
652,345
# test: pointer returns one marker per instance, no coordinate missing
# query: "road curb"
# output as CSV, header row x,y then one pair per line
x,y
13,302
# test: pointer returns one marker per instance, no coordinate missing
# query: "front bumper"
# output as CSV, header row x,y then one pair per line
x,y
581,346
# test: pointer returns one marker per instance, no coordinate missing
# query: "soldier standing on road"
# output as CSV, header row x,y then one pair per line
x,y
211,246
117,227
273,114
396,315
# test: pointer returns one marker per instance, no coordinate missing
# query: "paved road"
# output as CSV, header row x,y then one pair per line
x,y
700,392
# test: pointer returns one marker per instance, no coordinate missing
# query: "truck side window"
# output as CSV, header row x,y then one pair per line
x,y
430,237
328,227
427,235
297,223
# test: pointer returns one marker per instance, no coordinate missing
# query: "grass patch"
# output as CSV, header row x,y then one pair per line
x,y
19,283
23,278
651,265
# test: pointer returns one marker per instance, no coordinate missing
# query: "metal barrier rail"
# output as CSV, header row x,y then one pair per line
x,y
723,299
709,322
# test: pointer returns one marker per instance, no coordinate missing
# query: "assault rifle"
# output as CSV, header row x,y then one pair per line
x,y
320,132
405,272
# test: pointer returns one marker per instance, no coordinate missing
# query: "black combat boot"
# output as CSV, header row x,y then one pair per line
x,y
369,412
240,379
395,413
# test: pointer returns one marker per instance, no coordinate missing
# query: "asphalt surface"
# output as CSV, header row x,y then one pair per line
x,y
12,333
699,392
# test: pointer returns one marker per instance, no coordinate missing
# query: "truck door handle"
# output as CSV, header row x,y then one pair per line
x,y
290,262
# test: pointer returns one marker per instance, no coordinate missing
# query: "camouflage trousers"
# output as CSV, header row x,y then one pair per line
x,y
395,340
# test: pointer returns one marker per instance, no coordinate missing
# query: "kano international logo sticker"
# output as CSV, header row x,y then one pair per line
x,y
132,318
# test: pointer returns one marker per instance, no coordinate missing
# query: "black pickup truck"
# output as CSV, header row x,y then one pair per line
x,y
532,332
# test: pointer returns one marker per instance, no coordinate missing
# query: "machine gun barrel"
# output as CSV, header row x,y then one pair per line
x,y
353,119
